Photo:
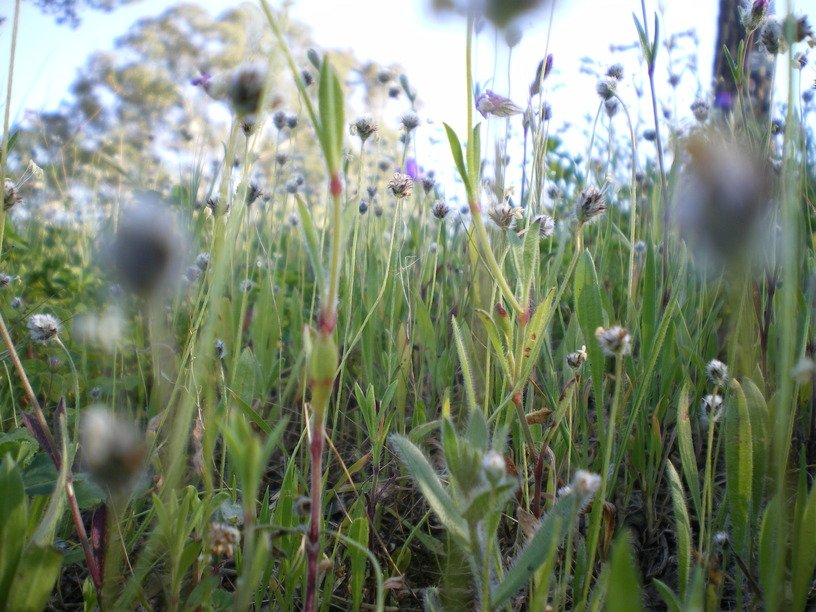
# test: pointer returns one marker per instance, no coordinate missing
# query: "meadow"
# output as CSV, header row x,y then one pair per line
x,y
293,367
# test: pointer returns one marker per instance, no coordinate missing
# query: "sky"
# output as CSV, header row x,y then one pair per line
x,y
430,47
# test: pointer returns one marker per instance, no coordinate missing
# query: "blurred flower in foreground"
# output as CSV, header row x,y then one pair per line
x,y
499,12
11,189
43,328
489,103
146,251
113,450
722,198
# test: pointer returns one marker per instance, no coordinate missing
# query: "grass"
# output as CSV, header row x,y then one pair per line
x,y
405,411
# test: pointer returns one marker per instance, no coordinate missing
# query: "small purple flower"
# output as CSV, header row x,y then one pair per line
x,y
489,103
724,101
204,80
411,168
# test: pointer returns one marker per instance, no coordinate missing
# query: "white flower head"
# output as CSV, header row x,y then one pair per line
x,y
43,328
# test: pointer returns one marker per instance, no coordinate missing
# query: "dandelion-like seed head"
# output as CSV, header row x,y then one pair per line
x,y
401,185
615,341
409,121
113,450
717,372
590,206
585,483
11,194
43,328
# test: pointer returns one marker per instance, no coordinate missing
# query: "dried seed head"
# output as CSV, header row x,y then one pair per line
x,y
504,216
591,205
607,87
717,372
577,358
585,483
700,110
224,539
279,120
401,185
546,226
409,121
5,280
615,341
771,36
364,127
615,71
11,194
245,88
43,328
113,450
611,106
440,210
428,183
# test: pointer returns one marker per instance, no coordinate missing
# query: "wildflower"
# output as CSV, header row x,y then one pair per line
x,y
245,88
798,31
378,210
721,538
611,106
372,191
220,349
384,165
640,248
113,451
364,127
279,120
253,192
293,220
307,77
607,87
577,358
5,280
585,483
717,372
753,15
546,226
504,216
95,393
615,341
428,183
649,135
489,103
440,210
615,71
394,91
11,189
807,96
401,185
591,205
409,121
674,81
771,36
192,273
146,249
291,121
800,60
777,127
43,328
494,466
712,402
17,302
700,110
224,539
249,125
805,371
202,261
385,76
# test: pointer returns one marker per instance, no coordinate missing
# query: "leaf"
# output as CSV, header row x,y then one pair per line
x,y
13,522
624,593
467,373
332,116
435,494
541,547
535,337
682,533
34,580
311,239
673,603
804,552
739,467
590,316
644,40
359,533
688,462
474,150
458,158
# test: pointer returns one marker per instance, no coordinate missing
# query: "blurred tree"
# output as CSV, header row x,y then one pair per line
x,y
67,11
730,32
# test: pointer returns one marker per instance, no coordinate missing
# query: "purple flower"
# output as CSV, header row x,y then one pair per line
x,y
489,103
204,80
724,101
411,168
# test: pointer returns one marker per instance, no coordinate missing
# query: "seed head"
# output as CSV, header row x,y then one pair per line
x,y
5,280
546,226
489,103
113,451
440,210
202,261
615,341
700,110
717,372
607,87
364,127
279,120
220,349
43,328
16,302
245,88
771,36
401,185
504,216
428,183
585,483
577,358
224,539
409,121
591,205
615,71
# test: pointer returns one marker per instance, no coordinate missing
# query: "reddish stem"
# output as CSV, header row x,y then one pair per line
x,y
313,539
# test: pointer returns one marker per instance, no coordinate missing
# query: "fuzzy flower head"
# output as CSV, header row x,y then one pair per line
x,y
771,36
401,185
717,372
363,127
494,466
224,539
585,483
489,103
440,210
607,87
700,110
615,71
245,88
615,341
113,450
409,121
577,358
590,206
43,328
504,216
546,226
11,189
752,13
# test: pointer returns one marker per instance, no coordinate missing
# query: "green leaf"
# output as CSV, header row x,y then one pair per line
x,y
311,239
332,116
467,373
804,552
34,580
13,522
739,467
644,40
732,66
655,40
682,533
673,603
535,336
435,494
359,533
474,150
589,309
688,462
544,543
458,158
624,593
